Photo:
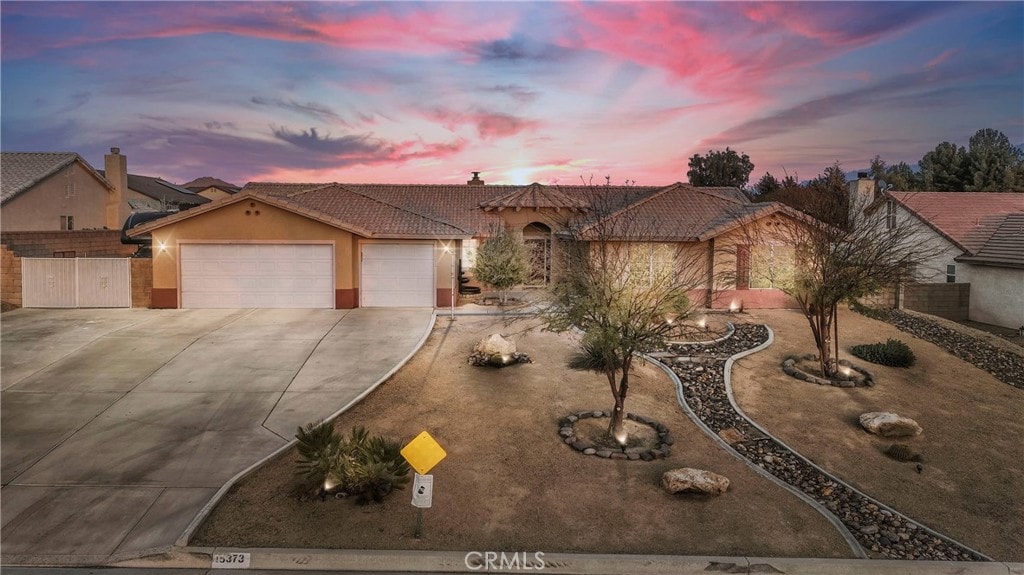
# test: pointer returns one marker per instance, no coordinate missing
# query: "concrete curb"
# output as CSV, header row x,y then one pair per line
x,y
182,540
369,561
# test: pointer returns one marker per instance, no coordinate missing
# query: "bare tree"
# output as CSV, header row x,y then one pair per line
x,y
829,263
626,281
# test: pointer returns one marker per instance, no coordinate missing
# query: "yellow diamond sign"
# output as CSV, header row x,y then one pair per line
x,y
423,453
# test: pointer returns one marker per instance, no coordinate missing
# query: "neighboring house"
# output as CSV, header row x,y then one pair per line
x,y
211,188
44,191
978,238
149,194
367,245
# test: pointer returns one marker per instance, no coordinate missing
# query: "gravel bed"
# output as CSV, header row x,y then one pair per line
x,y
886,533
1005,366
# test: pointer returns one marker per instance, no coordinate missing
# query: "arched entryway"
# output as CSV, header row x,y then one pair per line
x,y
537,237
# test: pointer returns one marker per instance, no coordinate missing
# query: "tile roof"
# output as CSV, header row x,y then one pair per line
x,y
968,219
678,212
162,190
20,171
1005,247
204,182
536,196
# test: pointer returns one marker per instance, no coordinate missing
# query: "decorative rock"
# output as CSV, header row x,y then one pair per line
x,y
731,435
688,480
869,529
604,453
589,451
889,424
495,344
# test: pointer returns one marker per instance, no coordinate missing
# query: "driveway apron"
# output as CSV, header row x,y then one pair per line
x,y
120,425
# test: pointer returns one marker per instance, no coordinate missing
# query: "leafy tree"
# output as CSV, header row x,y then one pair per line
x,y
718,168
626,297
502,262
768,184
900,177
994,162
945,169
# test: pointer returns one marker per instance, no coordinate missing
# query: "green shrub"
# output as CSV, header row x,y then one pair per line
x,y
893,353
366,467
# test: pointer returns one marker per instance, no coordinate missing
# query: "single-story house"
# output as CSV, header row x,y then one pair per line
x,y
978,239
351,245
211,188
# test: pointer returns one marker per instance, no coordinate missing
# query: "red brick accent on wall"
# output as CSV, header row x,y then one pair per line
x,y
165,298
10,278
346,298
85,243
142,282
444,297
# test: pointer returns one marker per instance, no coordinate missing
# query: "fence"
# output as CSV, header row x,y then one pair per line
x,y
76,282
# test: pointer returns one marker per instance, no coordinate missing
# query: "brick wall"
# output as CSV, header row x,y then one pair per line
x,y
142,282
85,243
948,300
883,298
10,279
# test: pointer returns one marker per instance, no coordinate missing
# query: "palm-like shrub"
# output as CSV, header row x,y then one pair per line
x,y
893,353
360,465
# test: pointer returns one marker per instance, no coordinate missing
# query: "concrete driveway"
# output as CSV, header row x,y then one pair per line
x,y
120,425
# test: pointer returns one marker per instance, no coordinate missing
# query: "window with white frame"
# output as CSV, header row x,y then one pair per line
x,y
67,223
651,263
890,215
951,273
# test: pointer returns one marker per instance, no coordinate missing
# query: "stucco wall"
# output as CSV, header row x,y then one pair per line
x,y
774,229
997,295
72,191
262,223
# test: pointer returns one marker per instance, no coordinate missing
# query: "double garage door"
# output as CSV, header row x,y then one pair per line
x,y
301,275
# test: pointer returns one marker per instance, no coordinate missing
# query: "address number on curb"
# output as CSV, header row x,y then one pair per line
x,y
231,560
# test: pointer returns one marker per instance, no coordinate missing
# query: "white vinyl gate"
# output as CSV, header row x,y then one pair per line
x,y
76,282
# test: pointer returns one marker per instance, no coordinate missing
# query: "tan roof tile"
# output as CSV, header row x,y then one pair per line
x,y
968,219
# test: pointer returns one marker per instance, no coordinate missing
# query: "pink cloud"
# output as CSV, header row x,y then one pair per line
x,y
382,27
488,124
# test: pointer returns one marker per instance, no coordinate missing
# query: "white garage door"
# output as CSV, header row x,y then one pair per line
x,y
397,275
257,275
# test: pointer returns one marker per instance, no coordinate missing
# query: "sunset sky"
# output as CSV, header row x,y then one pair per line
x,y
523,92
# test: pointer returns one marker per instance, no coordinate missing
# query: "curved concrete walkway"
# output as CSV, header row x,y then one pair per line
x,y
120,425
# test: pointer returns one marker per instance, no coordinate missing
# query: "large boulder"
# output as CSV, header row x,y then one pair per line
x,y
495,344
889,424
687,480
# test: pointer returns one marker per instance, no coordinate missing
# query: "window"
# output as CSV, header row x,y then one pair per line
x,y
771,267
890,215
67,223
65,254
651,264
951,274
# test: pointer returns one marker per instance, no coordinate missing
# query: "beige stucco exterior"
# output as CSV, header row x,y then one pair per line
x,y
73,191
997,295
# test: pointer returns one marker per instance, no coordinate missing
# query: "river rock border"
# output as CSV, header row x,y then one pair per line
x,y
859,378
567,431
704,393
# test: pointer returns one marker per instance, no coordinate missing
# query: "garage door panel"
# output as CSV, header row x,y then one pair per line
x,y
394,275
257,275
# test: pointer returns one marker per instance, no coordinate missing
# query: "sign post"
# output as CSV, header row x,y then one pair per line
x,y
422,453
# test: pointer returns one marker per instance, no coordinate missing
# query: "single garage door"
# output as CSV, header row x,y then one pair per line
x,y
257,275
397,275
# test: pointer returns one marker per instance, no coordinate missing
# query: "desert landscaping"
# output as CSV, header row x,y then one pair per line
x,y
510,482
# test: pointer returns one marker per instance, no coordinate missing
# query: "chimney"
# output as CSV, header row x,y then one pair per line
x,y
862,193
476,181
115,169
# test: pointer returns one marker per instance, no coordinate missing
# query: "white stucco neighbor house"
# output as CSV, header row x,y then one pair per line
x,y
978,237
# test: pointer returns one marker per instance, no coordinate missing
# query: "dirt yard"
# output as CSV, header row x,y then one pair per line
x,y
508,482
972,484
